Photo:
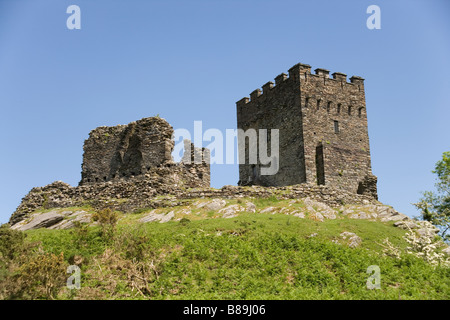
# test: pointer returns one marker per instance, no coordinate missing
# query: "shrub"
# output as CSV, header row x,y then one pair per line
x,y
107,220
81,231
11,242
185,221
40,277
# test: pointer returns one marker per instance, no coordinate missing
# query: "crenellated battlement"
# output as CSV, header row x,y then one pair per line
x,y
302,73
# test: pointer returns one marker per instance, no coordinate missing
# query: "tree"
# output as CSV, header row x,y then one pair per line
x,y
435,206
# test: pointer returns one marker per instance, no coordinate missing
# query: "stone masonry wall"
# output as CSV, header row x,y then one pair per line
x,y
323,130
276,107
164,189
124,151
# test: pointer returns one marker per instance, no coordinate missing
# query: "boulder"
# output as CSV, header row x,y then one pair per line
x,y
316,216
250,207
353,240
215,204
230,211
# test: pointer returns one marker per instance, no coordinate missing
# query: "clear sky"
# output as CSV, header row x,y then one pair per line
x,y
192,60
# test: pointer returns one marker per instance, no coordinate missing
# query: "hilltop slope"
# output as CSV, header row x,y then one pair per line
x,y
245,248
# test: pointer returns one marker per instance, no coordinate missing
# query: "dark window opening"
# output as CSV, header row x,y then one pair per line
x,y
338,110
320,167
360,112
96,179
307,102
104,178
318,104
88,180
329,106
350,110
336,126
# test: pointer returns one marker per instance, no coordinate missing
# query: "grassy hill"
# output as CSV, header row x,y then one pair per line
x,y
201,255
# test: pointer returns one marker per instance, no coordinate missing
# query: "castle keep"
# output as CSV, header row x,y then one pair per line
x,y
323,136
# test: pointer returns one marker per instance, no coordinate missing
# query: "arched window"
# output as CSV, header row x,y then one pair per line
x,y
360,111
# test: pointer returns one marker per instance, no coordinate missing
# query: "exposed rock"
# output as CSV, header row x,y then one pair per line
x,y
161,217
40,220
329,214
250,207
316,216
299,214
267,210
353,240
71,218
230,211
406,225
215,204
167,217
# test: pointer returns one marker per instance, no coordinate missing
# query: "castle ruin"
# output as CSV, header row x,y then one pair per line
x,y
323,135
139,148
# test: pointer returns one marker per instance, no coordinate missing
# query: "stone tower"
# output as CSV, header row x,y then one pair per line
x,y
323,135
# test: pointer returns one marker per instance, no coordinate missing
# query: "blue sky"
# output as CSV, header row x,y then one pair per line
x,y
192,60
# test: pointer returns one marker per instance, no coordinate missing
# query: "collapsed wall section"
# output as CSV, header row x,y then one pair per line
x,y
125,151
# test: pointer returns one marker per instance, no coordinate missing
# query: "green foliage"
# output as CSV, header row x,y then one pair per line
x,y
11,242
252,256
107,219
41,276
82,232
185,221
265,202
435,206
45,204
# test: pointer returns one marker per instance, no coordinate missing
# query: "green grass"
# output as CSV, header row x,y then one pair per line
x,y
252,256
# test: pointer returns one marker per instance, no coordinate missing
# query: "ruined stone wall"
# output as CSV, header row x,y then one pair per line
x,y
146,191
323,130
124,151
